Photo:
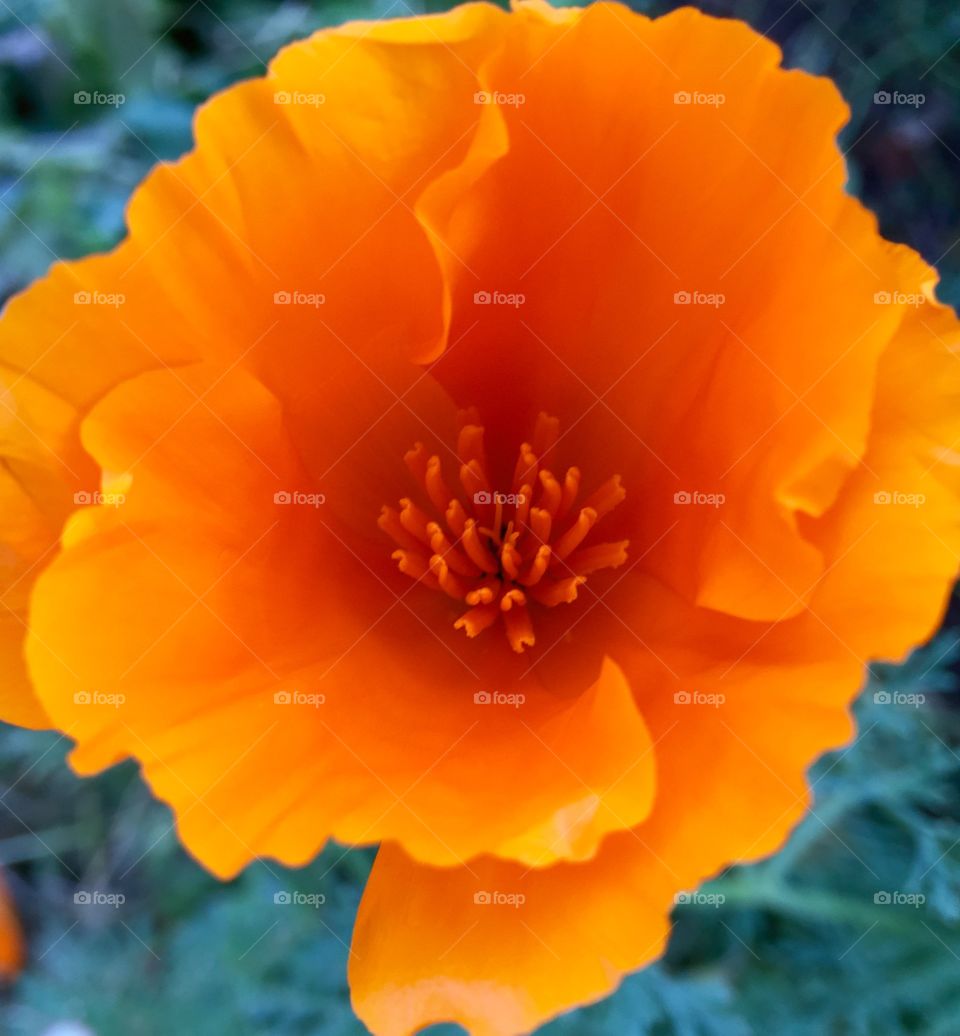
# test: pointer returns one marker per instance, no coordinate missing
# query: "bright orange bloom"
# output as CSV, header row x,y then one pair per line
x,y
11,938
512,443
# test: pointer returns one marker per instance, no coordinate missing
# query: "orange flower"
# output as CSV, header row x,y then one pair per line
x,y
513,443
11,939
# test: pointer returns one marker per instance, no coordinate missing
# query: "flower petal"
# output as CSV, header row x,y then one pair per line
x,y
737,712
613,230
732,740
497,947
89,324
200,606
903,501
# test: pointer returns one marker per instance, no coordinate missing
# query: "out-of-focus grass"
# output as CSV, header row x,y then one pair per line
x,y
796,945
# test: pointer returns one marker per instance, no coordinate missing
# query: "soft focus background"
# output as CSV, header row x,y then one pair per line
x,y
854,928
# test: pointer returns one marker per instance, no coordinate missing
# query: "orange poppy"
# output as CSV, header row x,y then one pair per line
x,y
11,939
507,443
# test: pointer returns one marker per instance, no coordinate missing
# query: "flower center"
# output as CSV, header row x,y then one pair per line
x,y
502,554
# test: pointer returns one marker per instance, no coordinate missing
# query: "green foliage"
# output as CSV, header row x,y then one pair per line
x,y
269,949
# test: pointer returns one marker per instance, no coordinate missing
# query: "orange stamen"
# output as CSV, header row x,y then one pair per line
x,y
415,566
478,619
571,486
519,628
603,555
540,524
525,473
563,591
414,520
436,488
501,554
576,534
477,550
606,498
449,581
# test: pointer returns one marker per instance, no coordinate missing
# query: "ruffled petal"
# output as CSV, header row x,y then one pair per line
x,y
902,503
272,277
659,301
497,947
217,627
733,738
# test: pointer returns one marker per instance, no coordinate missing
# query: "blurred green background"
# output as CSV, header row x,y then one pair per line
x,y
854,928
